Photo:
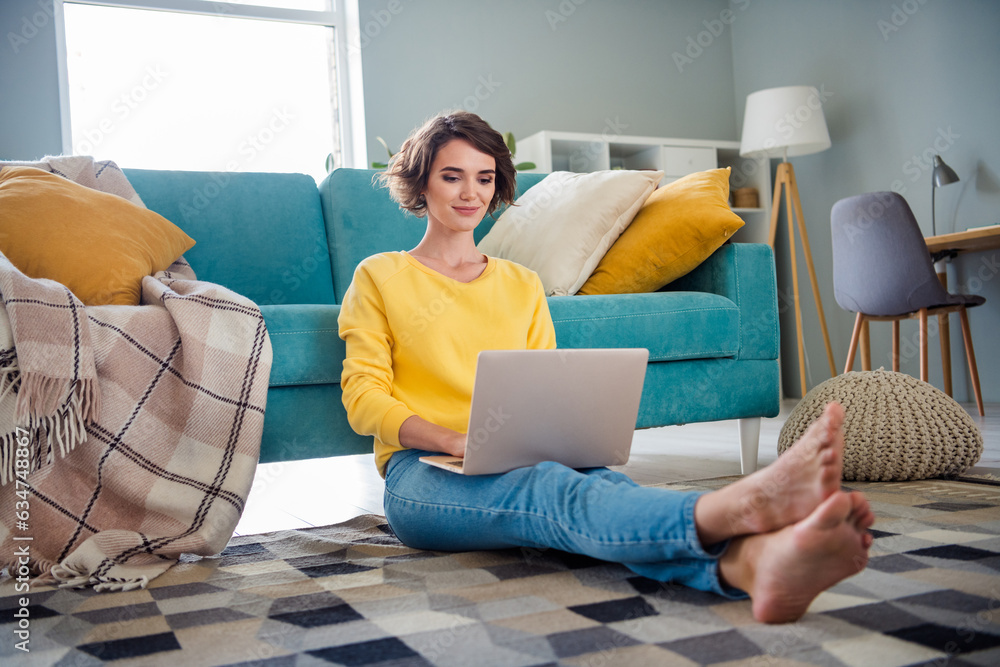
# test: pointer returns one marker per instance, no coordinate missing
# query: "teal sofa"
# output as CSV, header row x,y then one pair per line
x,y
292,248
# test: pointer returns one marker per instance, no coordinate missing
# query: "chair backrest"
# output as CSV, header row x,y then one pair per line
x,y
881,265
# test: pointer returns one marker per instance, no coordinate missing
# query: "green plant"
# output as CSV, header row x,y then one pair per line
x,y
508,138
383,165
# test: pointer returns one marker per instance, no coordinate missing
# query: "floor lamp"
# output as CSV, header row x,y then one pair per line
x,y
784,122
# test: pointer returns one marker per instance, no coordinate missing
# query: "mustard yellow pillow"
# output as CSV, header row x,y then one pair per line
x,y
100,246
678,227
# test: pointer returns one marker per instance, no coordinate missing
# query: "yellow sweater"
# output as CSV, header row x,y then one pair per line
x,y
413,336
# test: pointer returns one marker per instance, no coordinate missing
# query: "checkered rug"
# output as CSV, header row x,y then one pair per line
x,y
351,594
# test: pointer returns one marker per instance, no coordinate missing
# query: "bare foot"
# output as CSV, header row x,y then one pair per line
x,y
784,571
784,492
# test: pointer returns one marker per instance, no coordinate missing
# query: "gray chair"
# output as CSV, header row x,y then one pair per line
x,y
883,272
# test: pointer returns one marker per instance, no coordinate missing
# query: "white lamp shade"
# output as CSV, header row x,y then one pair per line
x,y
787,121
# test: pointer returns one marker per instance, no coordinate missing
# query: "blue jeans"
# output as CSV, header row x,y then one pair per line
x,y
596,512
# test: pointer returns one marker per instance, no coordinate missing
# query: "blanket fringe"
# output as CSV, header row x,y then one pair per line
x,y
38,568
8,455
45,573
67,577
39,404
10,378
38,410
41,395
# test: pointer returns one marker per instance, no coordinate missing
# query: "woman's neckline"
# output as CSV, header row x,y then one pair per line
x,y
434,271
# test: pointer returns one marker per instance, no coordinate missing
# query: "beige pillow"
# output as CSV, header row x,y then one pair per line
x,y
561,227
98,245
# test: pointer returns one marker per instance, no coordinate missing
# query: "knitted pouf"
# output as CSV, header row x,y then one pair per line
x,y
895,427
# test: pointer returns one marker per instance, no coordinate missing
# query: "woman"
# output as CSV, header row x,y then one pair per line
x,y
414,323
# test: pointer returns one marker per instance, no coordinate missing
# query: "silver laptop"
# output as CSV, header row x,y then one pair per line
x,y
577,407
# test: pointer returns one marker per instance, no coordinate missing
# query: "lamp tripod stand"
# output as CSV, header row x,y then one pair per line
x,y
785,181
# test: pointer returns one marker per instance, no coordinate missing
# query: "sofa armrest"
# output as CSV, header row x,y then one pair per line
x,y
743,273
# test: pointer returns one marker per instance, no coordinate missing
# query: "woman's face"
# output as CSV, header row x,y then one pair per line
x,y
460,186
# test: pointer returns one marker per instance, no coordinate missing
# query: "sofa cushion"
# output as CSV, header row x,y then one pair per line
x,y
743,273
671,325
260,235
305,344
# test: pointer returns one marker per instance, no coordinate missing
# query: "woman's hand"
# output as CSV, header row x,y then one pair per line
x,y
418,433
455,443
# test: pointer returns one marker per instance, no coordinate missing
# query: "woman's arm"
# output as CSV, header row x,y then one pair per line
x,y
366,381
418,433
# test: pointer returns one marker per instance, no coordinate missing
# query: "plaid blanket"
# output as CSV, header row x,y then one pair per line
x,y
130,435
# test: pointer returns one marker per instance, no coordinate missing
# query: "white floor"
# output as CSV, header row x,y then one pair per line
x,y
319,492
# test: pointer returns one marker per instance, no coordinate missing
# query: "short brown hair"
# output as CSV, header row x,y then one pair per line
x,y
409,169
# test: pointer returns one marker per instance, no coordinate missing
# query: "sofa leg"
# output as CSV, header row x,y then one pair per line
x,y
749,441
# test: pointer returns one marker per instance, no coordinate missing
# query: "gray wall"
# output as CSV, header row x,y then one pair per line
x,y
678,68
29,88
903,78
574,65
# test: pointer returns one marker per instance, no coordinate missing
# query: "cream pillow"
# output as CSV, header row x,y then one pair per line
x,y
561,227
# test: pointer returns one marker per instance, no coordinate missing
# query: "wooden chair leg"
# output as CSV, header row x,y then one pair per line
x,y
923,345
970,354
855,336
895,346
945,337
866,347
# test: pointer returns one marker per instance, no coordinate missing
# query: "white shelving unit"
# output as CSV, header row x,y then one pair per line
x,y
581,152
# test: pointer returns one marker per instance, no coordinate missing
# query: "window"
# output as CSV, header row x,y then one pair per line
x,y
197,85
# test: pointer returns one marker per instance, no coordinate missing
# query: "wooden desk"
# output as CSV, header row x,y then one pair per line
x,y
971,240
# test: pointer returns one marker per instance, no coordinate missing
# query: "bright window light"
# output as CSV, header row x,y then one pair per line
x,y
163,90
316,5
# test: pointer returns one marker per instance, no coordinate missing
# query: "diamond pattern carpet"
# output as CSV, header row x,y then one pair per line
x,y
351,594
